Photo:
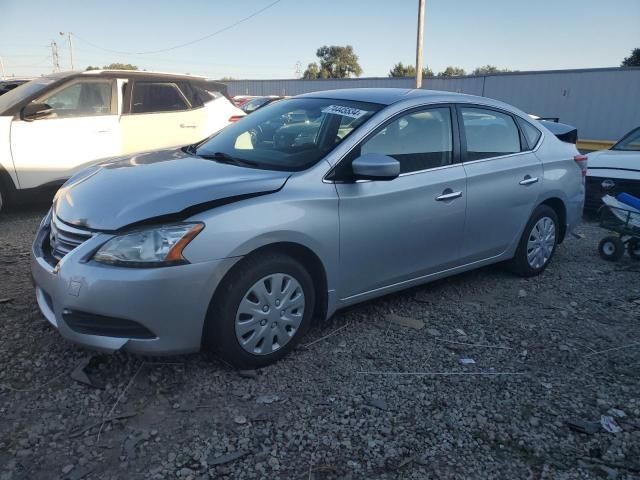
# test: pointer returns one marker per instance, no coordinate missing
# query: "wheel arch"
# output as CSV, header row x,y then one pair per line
x,y
558,206
301,253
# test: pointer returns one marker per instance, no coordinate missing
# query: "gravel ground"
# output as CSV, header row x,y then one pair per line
x,y
380,393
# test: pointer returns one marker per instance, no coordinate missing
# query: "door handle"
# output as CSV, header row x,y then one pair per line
x,y
188,125
448,195
528,180
104,131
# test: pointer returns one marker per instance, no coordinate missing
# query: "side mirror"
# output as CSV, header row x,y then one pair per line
x,y
35,111
373,166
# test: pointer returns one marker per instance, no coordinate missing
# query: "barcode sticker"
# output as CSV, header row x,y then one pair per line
x,y
344,111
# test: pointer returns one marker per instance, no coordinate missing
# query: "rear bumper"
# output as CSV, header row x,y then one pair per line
x,y
169,302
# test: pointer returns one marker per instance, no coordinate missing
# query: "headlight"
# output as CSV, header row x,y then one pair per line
x,y
151,247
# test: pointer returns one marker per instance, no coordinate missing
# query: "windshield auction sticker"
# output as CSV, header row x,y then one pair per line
x,y
344,111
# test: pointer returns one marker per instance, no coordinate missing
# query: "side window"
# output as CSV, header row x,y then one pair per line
x,y
531,133
489,133
80,99
152,97
419,140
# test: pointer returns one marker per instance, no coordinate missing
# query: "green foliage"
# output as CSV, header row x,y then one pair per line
x,y
632,60
227,79
334,62
114,66
488,70
401,70
452,72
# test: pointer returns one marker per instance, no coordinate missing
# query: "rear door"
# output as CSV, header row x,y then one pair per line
x,y
504,181
160,115
81,128
398,230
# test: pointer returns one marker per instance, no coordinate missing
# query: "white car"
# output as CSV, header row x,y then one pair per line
x,y
55,125
614,171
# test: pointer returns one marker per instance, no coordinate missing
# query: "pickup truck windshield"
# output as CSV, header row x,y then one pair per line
x,y
630,142
289,135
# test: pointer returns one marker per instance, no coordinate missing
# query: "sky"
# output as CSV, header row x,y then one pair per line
x,y
514,34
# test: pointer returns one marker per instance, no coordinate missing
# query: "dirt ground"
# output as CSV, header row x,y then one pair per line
x,y
378,392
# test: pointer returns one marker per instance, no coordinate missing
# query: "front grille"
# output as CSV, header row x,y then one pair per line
x,y
595,192
63,238
90,324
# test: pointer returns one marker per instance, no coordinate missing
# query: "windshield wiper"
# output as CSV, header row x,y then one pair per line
x,y
226,158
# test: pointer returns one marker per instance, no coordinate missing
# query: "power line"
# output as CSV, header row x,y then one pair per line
x,y
217,32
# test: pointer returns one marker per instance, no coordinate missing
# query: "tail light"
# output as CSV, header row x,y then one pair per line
x,y
582,160
235,118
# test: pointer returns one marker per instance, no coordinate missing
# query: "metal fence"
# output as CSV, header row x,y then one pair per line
x,y
604,103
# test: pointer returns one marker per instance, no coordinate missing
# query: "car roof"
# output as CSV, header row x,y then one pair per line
x,y
141,73
388,96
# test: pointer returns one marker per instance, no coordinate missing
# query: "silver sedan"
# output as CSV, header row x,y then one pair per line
x,y
306,206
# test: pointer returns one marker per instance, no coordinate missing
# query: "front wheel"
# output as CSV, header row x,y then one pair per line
x,y
261,311
537,244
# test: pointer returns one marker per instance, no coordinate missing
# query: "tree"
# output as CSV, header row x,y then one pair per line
x,y
632,60
312,72
227,79
334,62
401,70
452,72
488,70
114,66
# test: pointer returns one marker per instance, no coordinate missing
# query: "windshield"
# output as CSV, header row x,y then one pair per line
x,y
289,135
25,90
630,142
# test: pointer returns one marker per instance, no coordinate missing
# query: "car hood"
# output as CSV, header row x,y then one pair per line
x,y
614,159
157,185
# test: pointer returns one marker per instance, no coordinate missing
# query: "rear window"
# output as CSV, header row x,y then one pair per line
x,y
489,133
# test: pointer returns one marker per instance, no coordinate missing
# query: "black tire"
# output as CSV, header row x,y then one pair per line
x,y
219,333
633,248
3,199
611,248
519,264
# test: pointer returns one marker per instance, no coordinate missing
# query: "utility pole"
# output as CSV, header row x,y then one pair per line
x,y
70,47
419,43
1,68
55,60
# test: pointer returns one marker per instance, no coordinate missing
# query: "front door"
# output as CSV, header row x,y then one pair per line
x,y
399,230
81,129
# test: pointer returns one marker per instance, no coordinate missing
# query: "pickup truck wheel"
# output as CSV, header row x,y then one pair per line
x,y
260,311
537,244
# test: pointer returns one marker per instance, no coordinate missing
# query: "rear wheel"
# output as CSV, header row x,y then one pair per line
x,y
537,244
261,311
611,248
633,248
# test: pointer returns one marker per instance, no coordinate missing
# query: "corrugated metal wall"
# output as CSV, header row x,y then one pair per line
x,y
603,103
